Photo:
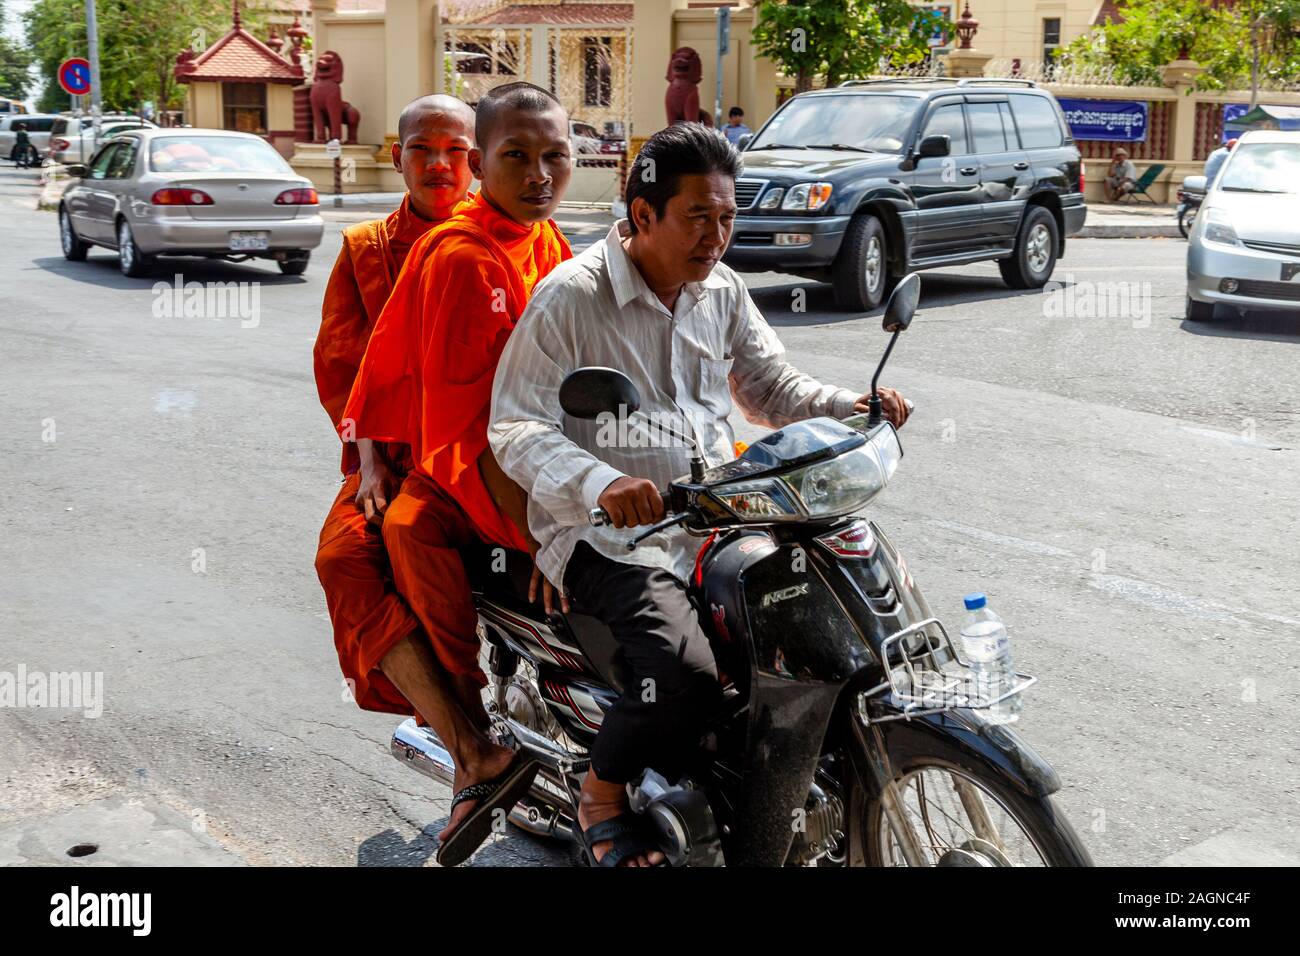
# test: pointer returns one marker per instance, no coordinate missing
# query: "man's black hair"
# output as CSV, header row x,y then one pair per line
x,y
736,111
516,96
683,149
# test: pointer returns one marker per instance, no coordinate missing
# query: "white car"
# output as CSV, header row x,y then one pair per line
x,y
38,131
72,138
1244,250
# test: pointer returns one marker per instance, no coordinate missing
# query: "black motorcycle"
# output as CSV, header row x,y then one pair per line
x,y
850,733
1190,197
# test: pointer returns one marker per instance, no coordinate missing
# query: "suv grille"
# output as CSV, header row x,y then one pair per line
x,y
747,191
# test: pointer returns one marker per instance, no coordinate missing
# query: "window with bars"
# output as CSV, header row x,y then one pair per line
x,y
244,107
598,80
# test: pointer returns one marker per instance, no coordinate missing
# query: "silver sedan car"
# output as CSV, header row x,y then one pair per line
x,y
190,192
1244,250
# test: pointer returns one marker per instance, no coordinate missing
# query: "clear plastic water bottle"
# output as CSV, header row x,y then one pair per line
x,y
988,650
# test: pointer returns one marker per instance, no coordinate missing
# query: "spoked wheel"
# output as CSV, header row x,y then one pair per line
x,y
954,816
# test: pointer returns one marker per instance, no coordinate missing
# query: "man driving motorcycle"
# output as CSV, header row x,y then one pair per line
x,y
654,301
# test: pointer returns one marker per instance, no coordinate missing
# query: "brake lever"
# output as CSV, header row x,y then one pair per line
x,y
655,529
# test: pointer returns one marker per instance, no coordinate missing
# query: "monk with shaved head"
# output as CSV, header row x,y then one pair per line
x,y
375,631
426,381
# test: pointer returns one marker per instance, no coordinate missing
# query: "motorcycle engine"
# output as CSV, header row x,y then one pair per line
x,y
681,813
821,835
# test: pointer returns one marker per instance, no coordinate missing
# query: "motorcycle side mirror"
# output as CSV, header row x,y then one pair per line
x,y
898,316
590,392
902,304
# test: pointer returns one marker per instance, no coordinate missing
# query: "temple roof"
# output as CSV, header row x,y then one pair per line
x,y
236,58
559,14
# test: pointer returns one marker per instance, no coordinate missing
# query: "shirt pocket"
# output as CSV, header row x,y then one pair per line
x,y
715,390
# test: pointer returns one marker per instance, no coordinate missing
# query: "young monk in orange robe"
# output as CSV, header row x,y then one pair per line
x,y
435,134
427,380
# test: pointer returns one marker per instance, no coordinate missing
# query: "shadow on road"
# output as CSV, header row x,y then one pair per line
x,y
102,270
938,289
1267,326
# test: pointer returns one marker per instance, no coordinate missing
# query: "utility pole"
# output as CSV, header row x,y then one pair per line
x,y
96,91
724,44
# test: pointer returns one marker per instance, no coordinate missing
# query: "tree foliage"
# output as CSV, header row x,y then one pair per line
x,y
138,43
1217,36
15,62
837,39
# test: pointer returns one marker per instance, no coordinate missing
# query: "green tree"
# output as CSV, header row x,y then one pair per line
x,y
1223,38
15,65
138,43
837,39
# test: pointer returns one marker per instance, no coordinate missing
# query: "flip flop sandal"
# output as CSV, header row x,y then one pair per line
x,y
629,832
502,791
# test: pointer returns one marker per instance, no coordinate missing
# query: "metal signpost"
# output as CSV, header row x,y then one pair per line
x,y
96,90
334,150
724,43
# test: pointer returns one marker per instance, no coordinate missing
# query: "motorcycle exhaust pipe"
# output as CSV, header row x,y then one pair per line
x,y
420,749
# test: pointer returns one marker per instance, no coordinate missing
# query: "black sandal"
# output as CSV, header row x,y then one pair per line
x,y
502,791
630,833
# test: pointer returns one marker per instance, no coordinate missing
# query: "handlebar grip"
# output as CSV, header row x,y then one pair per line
x,y
598,517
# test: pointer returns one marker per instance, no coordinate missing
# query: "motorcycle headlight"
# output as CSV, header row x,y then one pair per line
x,y
848,482
763,500
807,196
1218,228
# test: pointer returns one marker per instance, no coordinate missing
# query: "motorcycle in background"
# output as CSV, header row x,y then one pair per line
x,y
850,731
1190,197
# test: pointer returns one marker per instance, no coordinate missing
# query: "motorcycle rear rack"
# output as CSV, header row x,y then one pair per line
x,y
940,689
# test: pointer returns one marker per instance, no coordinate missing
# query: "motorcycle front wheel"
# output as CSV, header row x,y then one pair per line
x,y
1187,219
954,815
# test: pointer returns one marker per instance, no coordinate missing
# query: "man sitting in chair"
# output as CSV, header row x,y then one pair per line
x,y
1121,177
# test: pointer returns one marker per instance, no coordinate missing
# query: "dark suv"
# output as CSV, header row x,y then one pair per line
x,y
860,184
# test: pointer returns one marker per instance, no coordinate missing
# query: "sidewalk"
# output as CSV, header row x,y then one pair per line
x,y
1130,220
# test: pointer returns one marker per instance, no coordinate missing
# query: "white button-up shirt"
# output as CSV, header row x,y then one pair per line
x,y
688,364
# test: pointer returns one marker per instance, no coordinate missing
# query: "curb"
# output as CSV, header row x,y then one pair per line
x,y
1167,230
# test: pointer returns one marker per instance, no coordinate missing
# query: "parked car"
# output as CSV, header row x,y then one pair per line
x,y
584,137
72,138
1244,250
38,131
190,192
860,184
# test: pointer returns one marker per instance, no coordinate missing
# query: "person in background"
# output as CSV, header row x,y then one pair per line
x,y
1216,160
1120,177
735,127
24,151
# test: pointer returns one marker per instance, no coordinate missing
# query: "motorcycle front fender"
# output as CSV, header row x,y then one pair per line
x,y
961,736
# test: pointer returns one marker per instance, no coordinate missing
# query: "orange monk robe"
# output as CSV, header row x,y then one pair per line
x,y
426,378
368,614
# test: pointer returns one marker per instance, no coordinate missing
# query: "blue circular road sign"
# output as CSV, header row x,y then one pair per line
x,y
74,76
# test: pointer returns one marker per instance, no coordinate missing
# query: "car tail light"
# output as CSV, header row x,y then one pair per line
x,y
855,541
60,144
298,197
176,196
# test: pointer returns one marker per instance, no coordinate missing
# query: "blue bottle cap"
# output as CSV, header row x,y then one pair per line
x,y
974,601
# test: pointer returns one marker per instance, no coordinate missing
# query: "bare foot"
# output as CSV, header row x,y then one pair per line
x,y
601,801
492,763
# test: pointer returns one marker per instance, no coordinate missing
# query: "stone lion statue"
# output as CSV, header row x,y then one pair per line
x,y
682,101
329,111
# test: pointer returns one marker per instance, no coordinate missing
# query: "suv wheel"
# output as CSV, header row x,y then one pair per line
x,y
74,250
1034,258
860,276
130,259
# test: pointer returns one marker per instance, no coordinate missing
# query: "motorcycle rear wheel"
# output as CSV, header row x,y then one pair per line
x,y
1015,830
1187,219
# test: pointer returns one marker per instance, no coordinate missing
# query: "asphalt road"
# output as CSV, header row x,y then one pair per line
x,y
1122,487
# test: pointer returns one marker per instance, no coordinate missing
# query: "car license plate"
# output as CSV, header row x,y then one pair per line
x,y
248,241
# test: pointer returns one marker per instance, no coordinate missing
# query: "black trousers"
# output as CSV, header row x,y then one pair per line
x,y
673,680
